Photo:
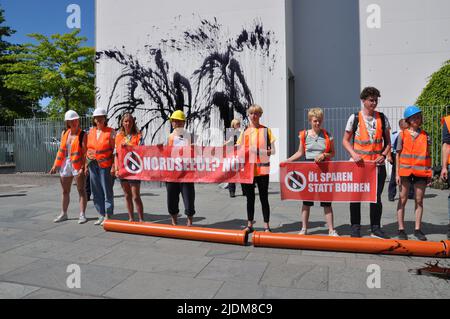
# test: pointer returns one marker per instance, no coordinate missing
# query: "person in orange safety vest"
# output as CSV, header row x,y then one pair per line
x,y
70,162
413,169
318,146
370,131
129,135
446,160
100,162
260,142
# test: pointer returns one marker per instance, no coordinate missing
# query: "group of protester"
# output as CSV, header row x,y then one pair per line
x,y
367,138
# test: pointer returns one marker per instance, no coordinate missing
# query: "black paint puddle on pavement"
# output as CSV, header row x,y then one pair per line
x,y
433,270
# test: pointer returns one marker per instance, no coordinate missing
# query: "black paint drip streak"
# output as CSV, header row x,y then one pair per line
x,y
220,66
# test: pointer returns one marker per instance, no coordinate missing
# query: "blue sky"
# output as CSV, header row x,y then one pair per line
x,y
47,17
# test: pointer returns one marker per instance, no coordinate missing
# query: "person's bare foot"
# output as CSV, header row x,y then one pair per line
x,y
174,220
131,220
189,221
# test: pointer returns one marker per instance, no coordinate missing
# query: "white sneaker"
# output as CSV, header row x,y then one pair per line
x,y
303,232
60,218
82,219
100,220
104,218
333,233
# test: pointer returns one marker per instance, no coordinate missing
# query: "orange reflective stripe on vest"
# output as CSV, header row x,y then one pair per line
x,y
367,149
260,140
302,135
101,149
415,158
75,151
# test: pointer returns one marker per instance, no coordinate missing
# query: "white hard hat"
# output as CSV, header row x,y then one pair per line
x,y
99,112
71,115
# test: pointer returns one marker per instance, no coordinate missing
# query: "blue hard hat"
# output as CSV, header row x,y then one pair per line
x,y
411,110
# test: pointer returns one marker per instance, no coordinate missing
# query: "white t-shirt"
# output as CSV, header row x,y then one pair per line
x,y
371,125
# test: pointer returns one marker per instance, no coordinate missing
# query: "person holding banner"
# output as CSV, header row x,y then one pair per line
x,y
129,135
100,162
413,168
70,161
259,141
370,131
180,137
235,133
318,146
446,160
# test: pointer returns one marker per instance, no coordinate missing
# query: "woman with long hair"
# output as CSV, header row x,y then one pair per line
x,y
129,135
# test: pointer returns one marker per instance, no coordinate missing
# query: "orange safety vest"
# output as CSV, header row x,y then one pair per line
x,y
262,165
302,135
415,157
101,149
367,149
447,122
123,140
75,151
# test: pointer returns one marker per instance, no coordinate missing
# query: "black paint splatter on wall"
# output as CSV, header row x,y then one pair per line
x,y
219,82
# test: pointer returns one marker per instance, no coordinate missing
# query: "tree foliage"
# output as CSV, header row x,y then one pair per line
x,y
435,103
13,103
57,67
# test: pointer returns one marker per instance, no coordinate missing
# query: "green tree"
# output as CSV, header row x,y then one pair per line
x,y
59,68
435,103
13,103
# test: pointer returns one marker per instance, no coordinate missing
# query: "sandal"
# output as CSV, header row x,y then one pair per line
x,y
249,229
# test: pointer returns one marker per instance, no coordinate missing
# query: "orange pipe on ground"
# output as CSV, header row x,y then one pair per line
x,y
358,245
237,237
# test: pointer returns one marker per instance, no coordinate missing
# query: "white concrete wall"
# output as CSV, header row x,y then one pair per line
x,y
134,27
412,42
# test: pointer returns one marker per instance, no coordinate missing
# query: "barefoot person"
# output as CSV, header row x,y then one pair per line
x,y
70,162
180,137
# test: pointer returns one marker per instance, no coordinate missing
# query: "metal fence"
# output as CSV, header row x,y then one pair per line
x,y
6,145
32,143
37,141
335,120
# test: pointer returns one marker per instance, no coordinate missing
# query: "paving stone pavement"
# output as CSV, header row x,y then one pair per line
x,y
35,253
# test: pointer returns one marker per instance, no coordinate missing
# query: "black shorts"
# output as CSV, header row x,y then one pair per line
x,y
129,181
322,204
412,179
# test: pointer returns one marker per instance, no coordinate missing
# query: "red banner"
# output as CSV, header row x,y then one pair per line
x,y
187,164
329,182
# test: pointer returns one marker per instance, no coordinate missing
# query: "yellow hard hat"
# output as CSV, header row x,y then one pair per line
x,y
178,115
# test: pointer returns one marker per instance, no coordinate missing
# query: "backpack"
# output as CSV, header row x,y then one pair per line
x,y
383,125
